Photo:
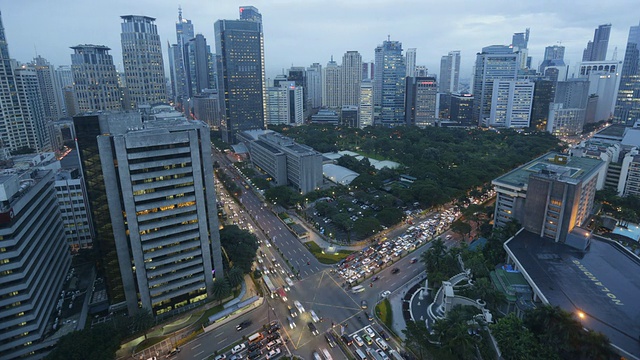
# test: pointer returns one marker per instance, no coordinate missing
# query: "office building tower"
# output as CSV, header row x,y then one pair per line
x,y
449,72
389,83
277,106
297,75
164,253
511,103
250,13
604,81
563,122
142,60
365,109
350,78
34,134
74,208
420,104
349,116
207,108
549,196
314,85
95,79
35,261
543,95
241,75
494,63
368,69
280,79
64,79
572,93
627,110
422,71
520,43
553,57
51,96
197,56
331,90
177,59
597,49
410,61
460,109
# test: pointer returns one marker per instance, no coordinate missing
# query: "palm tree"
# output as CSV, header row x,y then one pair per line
x,y
221,289
235,277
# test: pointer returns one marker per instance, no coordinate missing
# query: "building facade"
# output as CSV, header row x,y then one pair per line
x,y
241,75
596,50
331,85
627,109
365,108
197,65
95,79
177,59
449,72
410,61
461,109
350,78
142,60
389,83
421,101
74,208
314,85
511,104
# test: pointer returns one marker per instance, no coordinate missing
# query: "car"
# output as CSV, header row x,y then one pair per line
x,y
289,281
273,353
414,260
326,354
347,340
299,306
255,354
358,340
173,352
220,357
312,328
238,348
385,294
243,325
370,331
370,316
364,304
375,278
274,343
330,340
292,324
383,344
395,270
316,356
382,354
314,316
292,311
367,339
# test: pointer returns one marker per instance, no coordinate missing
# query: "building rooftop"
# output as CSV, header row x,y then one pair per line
x,y
268,146
610,132
338,174
603,283
567,168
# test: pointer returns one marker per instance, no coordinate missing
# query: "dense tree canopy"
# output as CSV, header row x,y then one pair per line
x,y
99,342
240,246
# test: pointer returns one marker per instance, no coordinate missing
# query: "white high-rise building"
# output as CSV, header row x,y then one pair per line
x,y
33,133
51,96
74,208
604,81
511,104
331,94
351,77
410,55
142,60
450,72
314,85
365,110
494,63
277,106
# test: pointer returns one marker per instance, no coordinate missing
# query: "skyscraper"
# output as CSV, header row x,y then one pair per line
x,y
184,32
241,74
496,62
450,72
421,95
511,103
365,110
51,97
18,124
34,133
95,79
597,49
142,60
350,78
553,57
197,54
331,95
628,104
520,43
314,85
64,81
250,13
411,62
389,83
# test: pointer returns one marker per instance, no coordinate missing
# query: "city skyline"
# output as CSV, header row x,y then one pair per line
x,y
299,34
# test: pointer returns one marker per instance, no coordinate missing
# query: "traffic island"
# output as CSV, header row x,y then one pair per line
x,y
326,257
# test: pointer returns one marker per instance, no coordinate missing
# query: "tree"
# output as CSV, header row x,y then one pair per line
x,y
461,227
389,216
99,342
516,341
141,320
366,226
283,196
240,246
221,289
417,338
235,277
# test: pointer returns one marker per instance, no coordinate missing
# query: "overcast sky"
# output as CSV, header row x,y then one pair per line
x,y
301,32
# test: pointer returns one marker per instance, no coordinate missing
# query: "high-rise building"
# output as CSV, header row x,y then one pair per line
x,y
543,95
64,80
277,105
349,116
368,69
449,72
420,104
628,103
250,13
520,43
197,55
71,193
21,108
410,56
350,78
389,83
597,49
553,57
511,103
35,261
206,108
422,71
177,59
51,96
95,79
494,63
297,75
460,109
604,81
331,89
241,74
142,60
568,110
365,109
314,85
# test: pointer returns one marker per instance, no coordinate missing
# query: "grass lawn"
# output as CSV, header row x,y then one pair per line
x,y
383,311
316,250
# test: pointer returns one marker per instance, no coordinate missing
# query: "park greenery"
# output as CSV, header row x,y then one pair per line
x,y
625,208
99,342
239,249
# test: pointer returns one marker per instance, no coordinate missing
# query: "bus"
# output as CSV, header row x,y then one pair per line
x,y
270,287
255,337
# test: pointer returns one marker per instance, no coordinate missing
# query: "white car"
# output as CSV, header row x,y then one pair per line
x,y
370,331
273,353
385,294
236,349
314,317
382,354
289,281
299,306
358,340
